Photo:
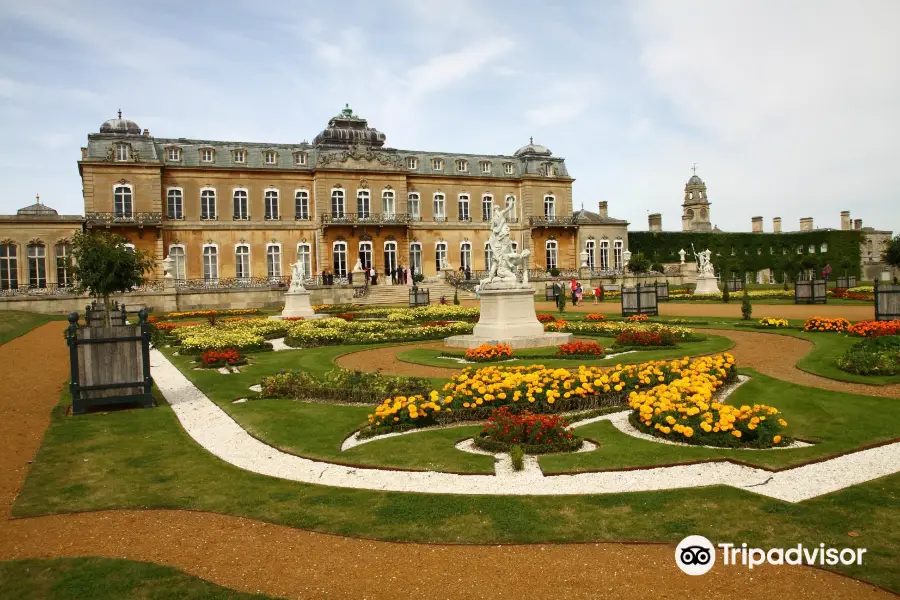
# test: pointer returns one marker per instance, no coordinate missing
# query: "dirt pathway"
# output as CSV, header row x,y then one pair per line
x,y
253,556
385,359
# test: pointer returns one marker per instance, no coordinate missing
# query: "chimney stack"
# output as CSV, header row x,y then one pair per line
x,y
655,221
756,224
604,210
857,224
846,223
806,224
776,225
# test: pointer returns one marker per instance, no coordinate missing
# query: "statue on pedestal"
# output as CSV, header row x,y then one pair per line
x,y
505,259
704,264
297,276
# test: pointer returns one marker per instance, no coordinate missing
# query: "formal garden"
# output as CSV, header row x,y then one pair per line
x,y
362,422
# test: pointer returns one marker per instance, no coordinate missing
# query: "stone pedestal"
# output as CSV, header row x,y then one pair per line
x,y
297,304
508,317
706,284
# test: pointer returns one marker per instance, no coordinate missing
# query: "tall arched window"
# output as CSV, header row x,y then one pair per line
x,y
510,200
552,254
337,206
176,253
210,263
175,204
241,210
440,209
64,264
440,256
365,254
271,198
37,266
123,203
464,208
415,258
242,261
487,256
304,255
363,204
9,267
465,255
390,258
591,248
413,206
549,206
208,204
617,255
387,203
487,207
273,260
301,205
604,255
339,258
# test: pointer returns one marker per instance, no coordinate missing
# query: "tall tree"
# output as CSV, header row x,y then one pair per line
x,y
892,253
104,265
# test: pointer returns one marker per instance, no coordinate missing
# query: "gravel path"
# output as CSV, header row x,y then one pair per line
x,y
385,360
258,557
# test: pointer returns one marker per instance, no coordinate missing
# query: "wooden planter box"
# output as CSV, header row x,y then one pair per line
x,y
662,291
419,297
95,314
887,301
810,292
109,365
846,281
640,300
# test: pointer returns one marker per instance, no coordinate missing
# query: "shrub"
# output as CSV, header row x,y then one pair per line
x,y
347,316
341,385
578,348
637,318
489,353
879,355
746,307
639,337
534,433
772,322
517,457
545,318
838,324
406,410
595,317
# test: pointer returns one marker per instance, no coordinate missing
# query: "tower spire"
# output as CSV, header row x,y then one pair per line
x,y
695,168
120,113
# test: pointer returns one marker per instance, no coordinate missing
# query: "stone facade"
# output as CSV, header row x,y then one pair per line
x,y
695,214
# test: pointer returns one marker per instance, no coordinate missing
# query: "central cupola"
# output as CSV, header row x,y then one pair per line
x,y
347,129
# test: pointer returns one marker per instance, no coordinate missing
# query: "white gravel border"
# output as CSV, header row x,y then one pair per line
x,y
220,435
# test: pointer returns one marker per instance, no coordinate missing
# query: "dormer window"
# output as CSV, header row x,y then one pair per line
x,y
300,158
508,168
437,164
485,166
412,163
271,156
240,156
122,152
173,154
207,155
462,166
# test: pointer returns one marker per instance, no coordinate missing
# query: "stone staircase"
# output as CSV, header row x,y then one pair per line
x,y
398,295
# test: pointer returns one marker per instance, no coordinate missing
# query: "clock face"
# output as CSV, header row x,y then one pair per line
x,y
703,212
690,213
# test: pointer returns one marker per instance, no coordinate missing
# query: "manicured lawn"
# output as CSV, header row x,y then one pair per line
x,y
841,422
14,323
822,360
546,357
144,459
106,579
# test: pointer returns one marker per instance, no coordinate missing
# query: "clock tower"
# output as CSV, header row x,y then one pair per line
x,y
695,210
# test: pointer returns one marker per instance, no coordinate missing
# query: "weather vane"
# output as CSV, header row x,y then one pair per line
x,y
695,168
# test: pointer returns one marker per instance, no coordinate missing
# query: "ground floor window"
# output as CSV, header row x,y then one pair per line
x,y
273,260
617,254
415,258
176,253
304,255
339,259
390,258
37,266
9,267
210,262
440,256
591,249
552,254
242,261
465,256
365,254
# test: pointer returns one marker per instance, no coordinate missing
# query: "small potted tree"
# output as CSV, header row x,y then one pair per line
x,y
104,266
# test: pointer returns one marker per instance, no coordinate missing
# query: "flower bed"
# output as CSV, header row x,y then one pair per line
x,y
536,434
341,385
194,314
838,324
545,318
578,348
845,294
637,318
595,317
489,353
879,355
614,328
862,289
872,329
630,338
245,335
773,323
685,410
332,331
213,359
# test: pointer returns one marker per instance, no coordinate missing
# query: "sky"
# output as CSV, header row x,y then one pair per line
x,y
789,108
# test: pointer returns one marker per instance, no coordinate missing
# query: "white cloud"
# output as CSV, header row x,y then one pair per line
x,y
446,69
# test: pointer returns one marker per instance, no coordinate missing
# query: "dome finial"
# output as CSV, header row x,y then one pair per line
x,y
695,168
530,139
120,113
38,197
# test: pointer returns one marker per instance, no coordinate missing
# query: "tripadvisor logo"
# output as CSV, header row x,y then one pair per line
x,y
696,555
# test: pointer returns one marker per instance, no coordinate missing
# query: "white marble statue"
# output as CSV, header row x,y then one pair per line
x,y
704,265
682,253
505,259
297,276
358,268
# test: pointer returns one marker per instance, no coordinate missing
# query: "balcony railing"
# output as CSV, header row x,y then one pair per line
x,y
233,283
114,218
545,221
57,289
333,218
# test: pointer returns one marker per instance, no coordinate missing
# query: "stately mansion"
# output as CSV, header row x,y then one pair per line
x,y
223,209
